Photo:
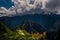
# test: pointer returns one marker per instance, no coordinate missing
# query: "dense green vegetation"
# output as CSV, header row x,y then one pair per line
x,y
7,34
21,34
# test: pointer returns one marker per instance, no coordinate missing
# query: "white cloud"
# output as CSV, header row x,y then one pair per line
x,y
3,10
21,6
12,10
7,12
24,5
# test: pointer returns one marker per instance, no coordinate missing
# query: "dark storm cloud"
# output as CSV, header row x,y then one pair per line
x,y
52,4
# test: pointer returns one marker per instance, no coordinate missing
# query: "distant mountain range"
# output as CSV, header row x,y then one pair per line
x,y
43,19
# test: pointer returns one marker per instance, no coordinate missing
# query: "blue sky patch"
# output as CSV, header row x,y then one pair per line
x,y
6,3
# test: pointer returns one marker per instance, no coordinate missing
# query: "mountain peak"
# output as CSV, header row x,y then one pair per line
x,y
31,27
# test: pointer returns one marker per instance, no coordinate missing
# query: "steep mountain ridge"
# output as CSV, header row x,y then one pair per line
x,y
31,27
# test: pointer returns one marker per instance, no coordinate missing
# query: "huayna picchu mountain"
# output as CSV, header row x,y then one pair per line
x,y
30,26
